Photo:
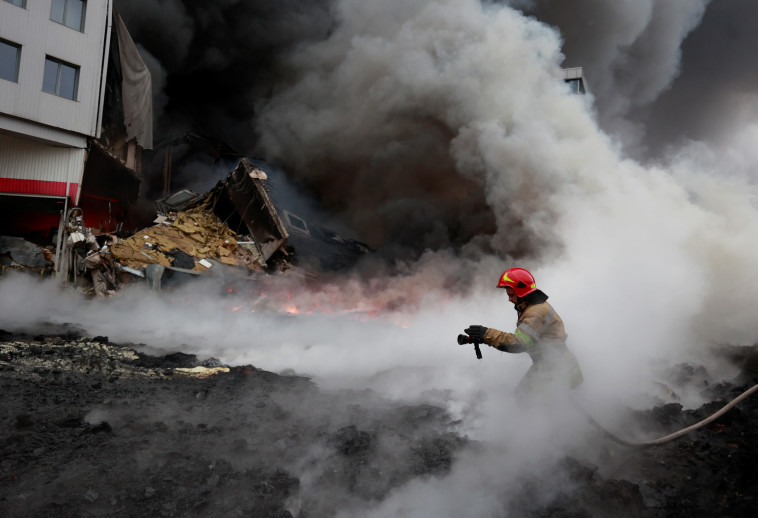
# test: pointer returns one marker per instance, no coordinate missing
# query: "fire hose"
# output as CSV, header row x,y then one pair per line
x,y
465,339
670,437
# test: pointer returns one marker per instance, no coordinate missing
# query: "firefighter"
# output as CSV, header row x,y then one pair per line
x,y
539,333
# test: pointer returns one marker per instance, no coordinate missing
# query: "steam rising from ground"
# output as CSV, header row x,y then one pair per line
x,y
445,125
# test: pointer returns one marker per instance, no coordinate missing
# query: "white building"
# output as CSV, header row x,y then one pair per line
x,y
574,77
54,65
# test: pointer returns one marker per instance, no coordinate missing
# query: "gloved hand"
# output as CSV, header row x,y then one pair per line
x,y
476,332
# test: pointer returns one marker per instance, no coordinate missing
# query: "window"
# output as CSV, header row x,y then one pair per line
x,y
69,12
60,78
20,3
576,86
296,223
10,55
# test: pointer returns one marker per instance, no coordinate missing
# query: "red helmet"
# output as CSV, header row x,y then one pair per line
x,y
519,279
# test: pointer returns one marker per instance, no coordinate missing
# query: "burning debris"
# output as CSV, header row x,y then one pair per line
x,y
199,237
232,230
184,240
19,254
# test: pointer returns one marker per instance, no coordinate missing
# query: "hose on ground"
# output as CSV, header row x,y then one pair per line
x,y
646,444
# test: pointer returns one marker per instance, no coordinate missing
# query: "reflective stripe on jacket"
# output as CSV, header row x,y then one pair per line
x,y
539,332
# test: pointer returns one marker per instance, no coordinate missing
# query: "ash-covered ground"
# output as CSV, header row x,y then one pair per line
x,y
93,428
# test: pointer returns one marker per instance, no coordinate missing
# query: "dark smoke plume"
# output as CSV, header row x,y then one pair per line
x,y
383,112
630,51
221,58
662,73
716,94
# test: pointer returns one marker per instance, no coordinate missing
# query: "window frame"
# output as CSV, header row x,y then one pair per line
x,y
66,4
576,85
17,46
296,223
21,3
60,64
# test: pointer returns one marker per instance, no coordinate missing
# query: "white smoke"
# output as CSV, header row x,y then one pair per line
x,y
637,241
631,50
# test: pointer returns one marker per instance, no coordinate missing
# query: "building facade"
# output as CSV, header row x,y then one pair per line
x,y
60,127
51,104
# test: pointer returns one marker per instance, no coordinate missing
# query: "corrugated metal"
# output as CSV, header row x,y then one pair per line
x,y
38,187
22,159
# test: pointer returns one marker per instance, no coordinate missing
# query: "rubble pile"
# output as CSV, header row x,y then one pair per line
x,y
184,240
191,234
233,231
19,254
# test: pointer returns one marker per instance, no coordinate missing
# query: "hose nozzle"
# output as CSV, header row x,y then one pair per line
x,y
466,339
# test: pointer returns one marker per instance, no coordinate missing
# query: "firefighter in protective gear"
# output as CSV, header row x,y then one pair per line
x,y
539,333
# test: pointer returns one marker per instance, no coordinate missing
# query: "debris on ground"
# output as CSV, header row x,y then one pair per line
x,y
19,254
93,428
233,232
183,240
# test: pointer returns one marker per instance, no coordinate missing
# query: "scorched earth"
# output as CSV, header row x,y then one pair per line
x,y
93,428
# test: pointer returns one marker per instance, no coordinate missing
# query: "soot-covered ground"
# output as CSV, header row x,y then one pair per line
x,y
92,428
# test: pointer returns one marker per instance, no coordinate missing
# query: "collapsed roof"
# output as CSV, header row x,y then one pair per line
x,y
235,223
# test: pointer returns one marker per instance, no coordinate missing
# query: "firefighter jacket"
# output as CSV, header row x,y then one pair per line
x,y
538,329
539,333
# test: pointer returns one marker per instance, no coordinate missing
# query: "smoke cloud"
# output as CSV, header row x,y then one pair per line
x,y
320,88
401,126
630,50
713,100
221,57
661,73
